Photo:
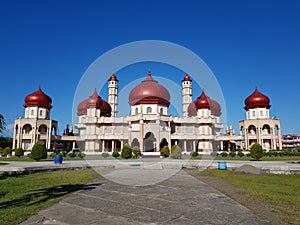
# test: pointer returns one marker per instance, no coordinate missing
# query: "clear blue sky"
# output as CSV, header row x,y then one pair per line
x,y
245,43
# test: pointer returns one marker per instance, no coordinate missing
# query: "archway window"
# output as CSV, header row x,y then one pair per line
x,y
253,114
41,113
266,129
136,111
252,129
161,111
149,110
32,112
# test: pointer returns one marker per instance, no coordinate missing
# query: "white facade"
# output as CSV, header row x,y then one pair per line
x,y
149,126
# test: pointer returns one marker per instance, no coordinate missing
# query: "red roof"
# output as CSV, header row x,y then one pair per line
x,y
38,98
257,100
149,91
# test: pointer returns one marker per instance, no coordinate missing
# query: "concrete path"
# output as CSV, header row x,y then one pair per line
x,y
181,199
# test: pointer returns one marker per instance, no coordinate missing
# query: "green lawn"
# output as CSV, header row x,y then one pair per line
x,y
281,191
26,195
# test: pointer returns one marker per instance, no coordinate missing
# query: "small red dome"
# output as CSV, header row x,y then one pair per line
x,y
202,102
214,107
186,78
106,109
149,92
94,101
38,98
257,100
82,109
113,78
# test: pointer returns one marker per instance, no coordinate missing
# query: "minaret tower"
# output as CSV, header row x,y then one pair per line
x,y
186,94
113,94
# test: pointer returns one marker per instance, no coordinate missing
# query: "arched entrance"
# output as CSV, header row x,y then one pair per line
x,y
149,142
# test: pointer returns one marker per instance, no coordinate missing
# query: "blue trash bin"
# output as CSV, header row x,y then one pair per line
x,y
58,159
222,166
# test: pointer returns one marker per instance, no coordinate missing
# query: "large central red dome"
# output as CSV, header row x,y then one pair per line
x,y
257,100
38,98
149,91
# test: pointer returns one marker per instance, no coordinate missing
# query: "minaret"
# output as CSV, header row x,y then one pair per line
x,y
186,94
113,94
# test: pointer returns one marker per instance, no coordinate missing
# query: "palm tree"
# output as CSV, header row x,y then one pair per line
x,y
2,123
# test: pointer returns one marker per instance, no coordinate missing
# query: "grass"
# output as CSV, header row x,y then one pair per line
x,y
280,191
24,196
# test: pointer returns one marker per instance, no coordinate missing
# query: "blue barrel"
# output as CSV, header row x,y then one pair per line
x,y
222,166
58,159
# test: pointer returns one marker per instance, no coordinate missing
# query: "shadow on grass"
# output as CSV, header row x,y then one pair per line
x,y
42,195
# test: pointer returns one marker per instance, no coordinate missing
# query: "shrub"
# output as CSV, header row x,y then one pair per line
x,y
72,155
38,152
256,151
232,154
176,152
105,155
165,152
214,154
224,154
63,153
194,154
240,154
116,154
19,152
53,154
126,152
81,155
7,151
136,152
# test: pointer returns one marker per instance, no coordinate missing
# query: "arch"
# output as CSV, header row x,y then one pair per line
x,y
135,142
242,130
161,111
276,128
252,129
149,142
53,130
27,128
266,129
43,129
149,109
163,143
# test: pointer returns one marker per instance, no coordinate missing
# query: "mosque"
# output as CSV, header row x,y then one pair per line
x,y
149,125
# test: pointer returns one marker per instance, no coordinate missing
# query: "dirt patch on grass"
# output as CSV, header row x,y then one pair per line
x,y
262,209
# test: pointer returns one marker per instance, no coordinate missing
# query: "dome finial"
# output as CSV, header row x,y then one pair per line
x,y
149,72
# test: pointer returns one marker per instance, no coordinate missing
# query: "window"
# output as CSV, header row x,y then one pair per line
x,y
136,111
32,112
253,114
161,111
149,110
41,113
261,113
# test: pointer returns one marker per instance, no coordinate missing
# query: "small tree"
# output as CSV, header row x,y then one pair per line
x,y
176,152
256,151
19,152
136,152
7,151
39,151
126,152
165,152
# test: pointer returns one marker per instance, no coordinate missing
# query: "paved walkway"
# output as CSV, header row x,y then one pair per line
x,y
181,199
